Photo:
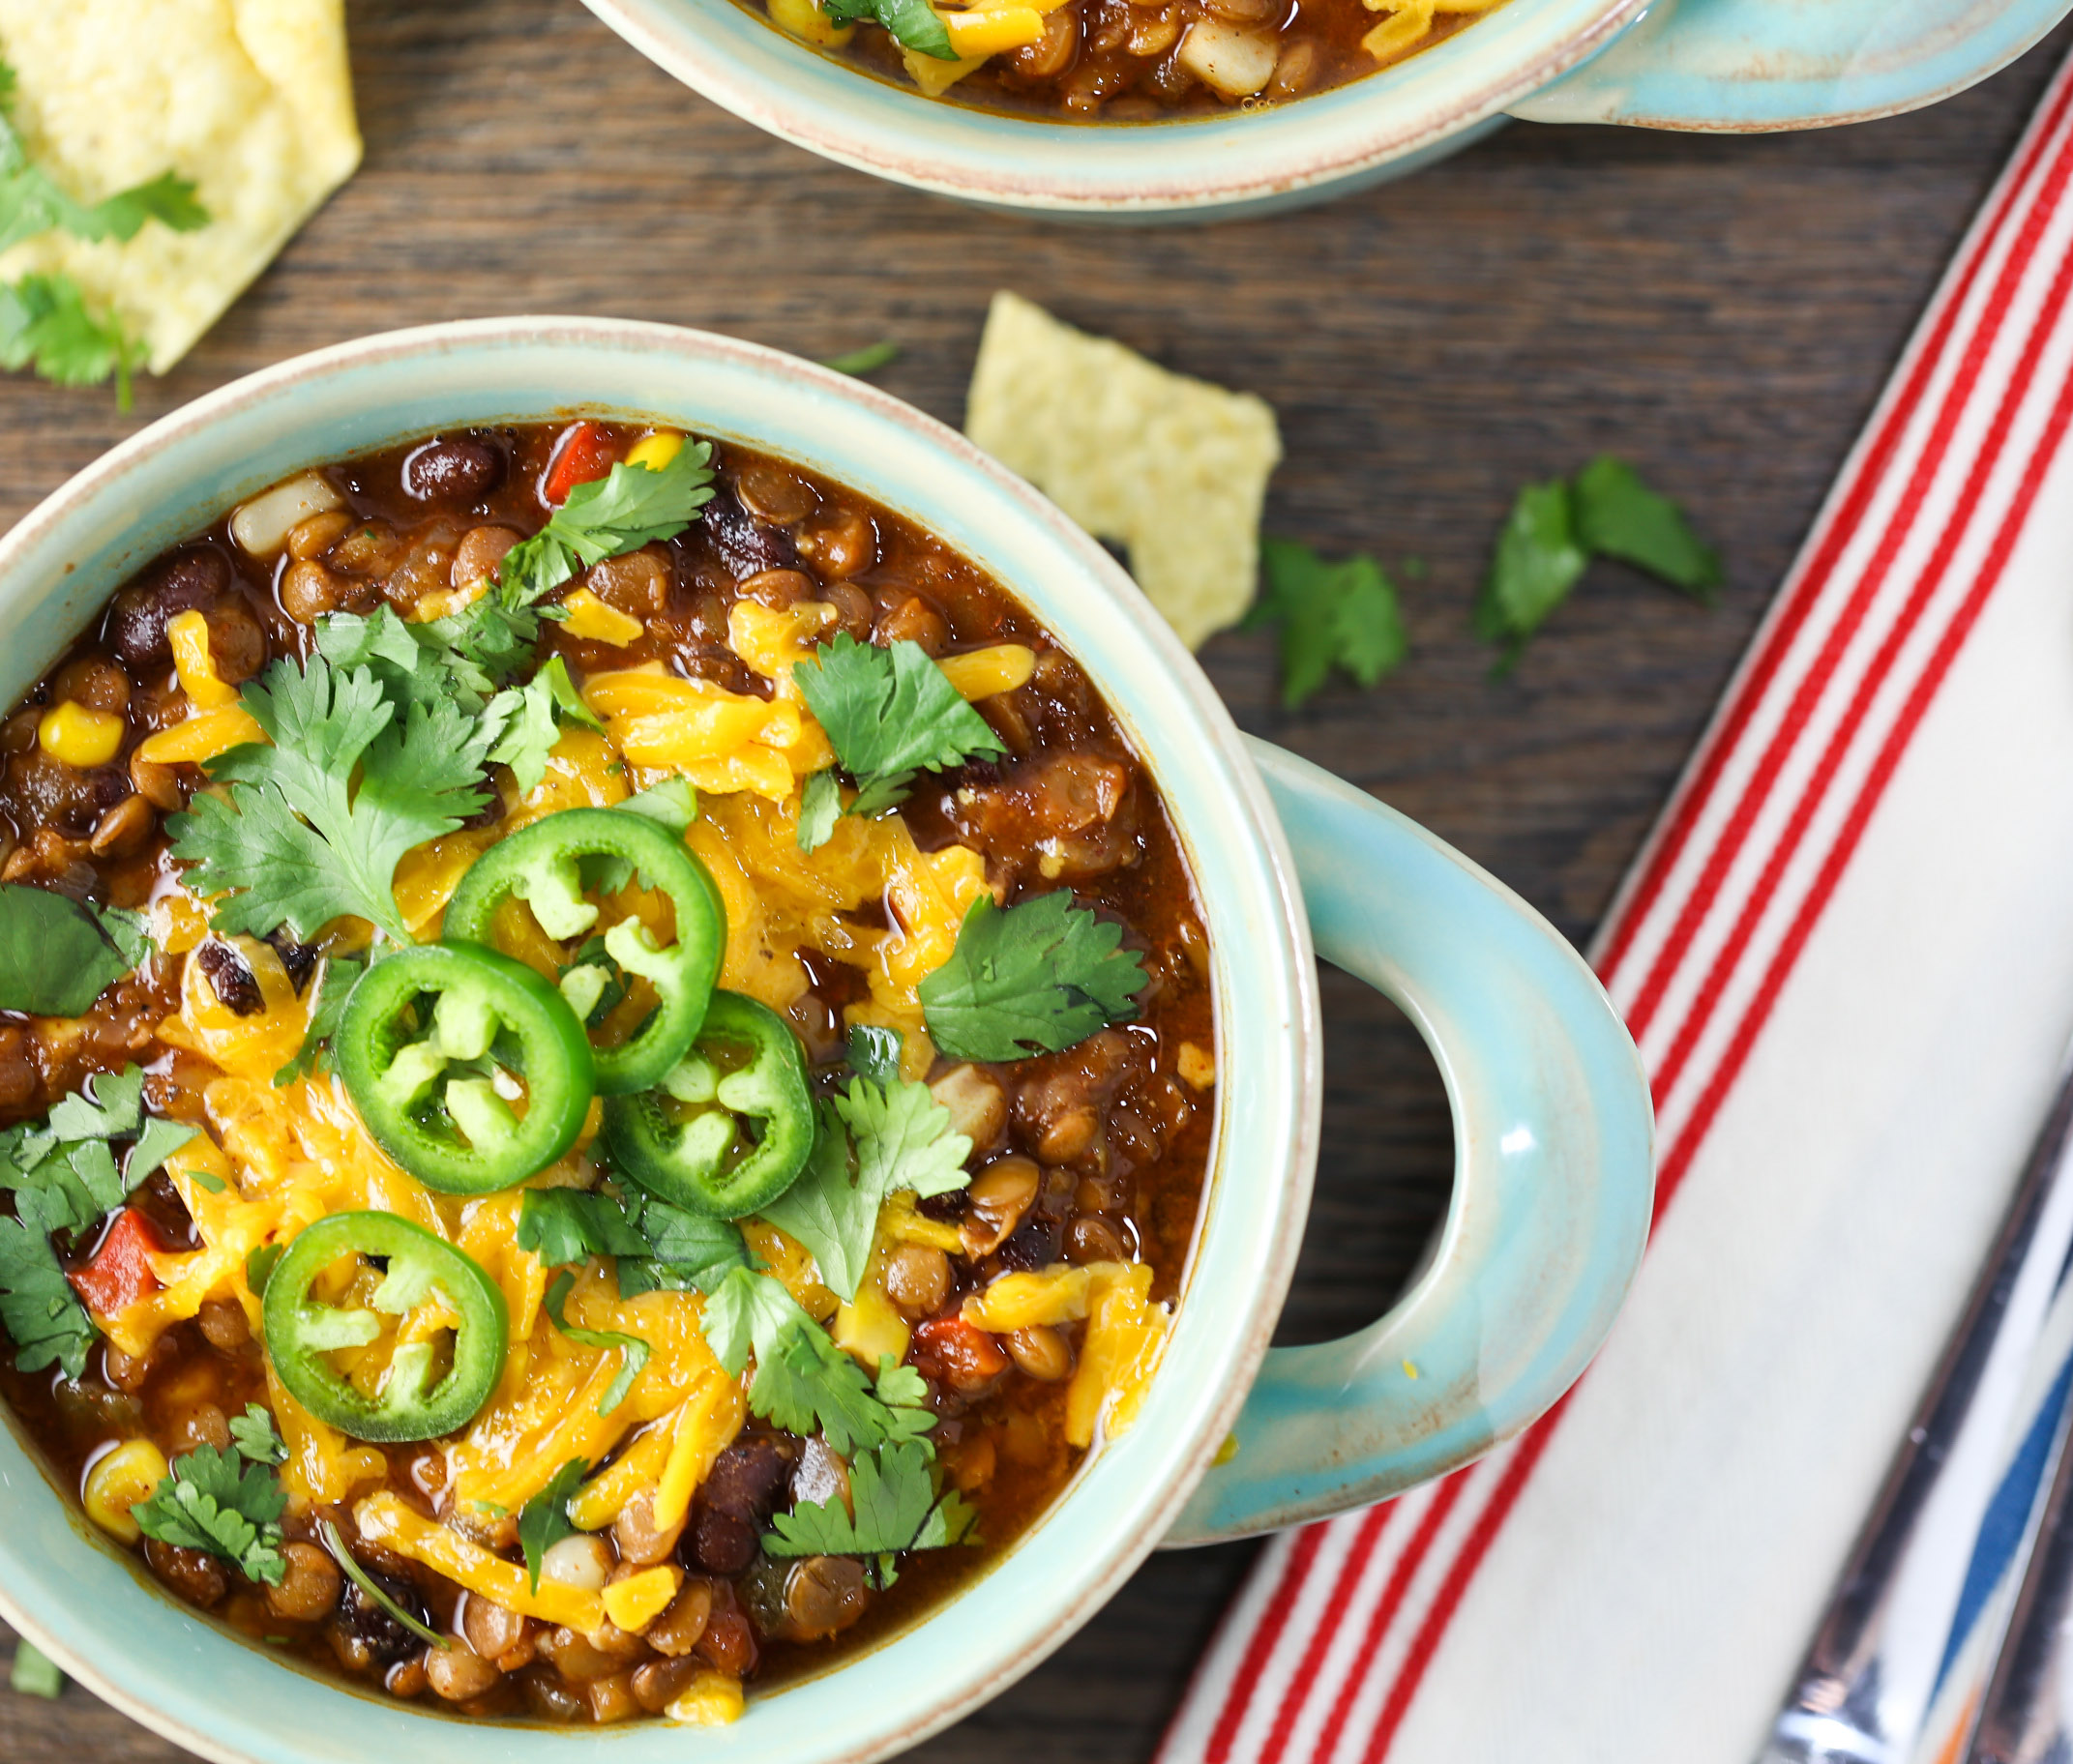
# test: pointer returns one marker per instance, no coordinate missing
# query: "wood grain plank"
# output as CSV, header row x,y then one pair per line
x,y
1723,312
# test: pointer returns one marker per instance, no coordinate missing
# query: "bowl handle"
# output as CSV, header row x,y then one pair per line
x,y
1740,66
1553,1177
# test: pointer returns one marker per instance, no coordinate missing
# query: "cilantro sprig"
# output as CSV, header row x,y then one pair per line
x,y
914,24
57,955
1341,614
544,1520
208,1502
898,1137
297,841
889,713
1555,530
1040,977
632,505
657,1246
897,1509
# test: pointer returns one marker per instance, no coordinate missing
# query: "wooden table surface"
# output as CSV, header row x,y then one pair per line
x,y
1722,312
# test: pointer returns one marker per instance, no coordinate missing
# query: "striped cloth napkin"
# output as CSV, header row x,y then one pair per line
x,y
1847,954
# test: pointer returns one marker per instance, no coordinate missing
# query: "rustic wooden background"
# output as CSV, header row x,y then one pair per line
x,y
1723,312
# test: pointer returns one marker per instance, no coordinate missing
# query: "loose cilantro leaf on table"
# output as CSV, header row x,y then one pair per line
x,y
821,806
34,1672
630,507
253,1434
866,359
1040,977
296,843
897,1509
45,324
209,1503
633,1350
56,955
657,1246
333,982
1556,529
544,1520
803,1381
1618,516
890,713
1341,614
914,24
901,1137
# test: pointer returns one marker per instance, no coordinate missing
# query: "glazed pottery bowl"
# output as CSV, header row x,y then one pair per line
x,y
1727,65
1555,1172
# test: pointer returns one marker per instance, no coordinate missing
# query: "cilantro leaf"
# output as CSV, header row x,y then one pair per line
x,y
296,843
253,1434
45,324
1618,516
874,1052
1041,975
110,1107
631,506
528,721
544,1520
866,359
821,806
334,982
633,1350
32,202
209,1503
56,956
38,1307
565,1226
890,713
1343,614
260,1262
672,803
34,1672
129,932
657,1246
1538,561
914,24
902,1137
897,1509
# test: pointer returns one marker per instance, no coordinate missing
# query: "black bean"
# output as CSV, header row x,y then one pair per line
x,y
747,1477
189,582
235,985
746,545
946,1209
453,471
360,1620
1032,1244
298,958
720,1542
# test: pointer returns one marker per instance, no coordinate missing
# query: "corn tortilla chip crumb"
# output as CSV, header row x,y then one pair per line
x,y
1173,468
250,99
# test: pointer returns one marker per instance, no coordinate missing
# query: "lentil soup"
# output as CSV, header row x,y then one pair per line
x,y
609,1063
1132,60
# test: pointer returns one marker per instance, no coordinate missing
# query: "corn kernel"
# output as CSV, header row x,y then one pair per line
x,y
81,737
656,451
590,617
869,1328
804,19
1196,1065
444,603
980,673
712,1699
636,1601
117,1482
192,662
201,737
989,32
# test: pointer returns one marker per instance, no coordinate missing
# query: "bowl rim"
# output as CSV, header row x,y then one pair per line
x,y
748,66
190,1678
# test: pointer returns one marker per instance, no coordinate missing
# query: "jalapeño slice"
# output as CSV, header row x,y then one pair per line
x,y
730,1125
434,1042
410,1402
548,865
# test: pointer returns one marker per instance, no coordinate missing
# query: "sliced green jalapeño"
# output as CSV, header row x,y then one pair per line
x,y
548,865
438,1044
410,1402
730,1125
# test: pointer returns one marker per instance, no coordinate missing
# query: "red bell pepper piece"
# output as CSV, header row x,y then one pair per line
x,y
585,452
119,1272
958,1353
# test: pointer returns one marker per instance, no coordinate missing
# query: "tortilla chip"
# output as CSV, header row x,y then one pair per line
x,y
250,99
1173,469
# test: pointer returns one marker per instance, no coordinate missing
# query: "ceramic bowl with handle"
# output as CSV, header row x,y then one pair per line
x,y
1551,1116
1729,66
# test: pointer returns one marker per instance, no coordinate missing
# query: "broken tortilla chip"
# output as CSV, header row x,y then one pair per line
x,y
1171,468
249,99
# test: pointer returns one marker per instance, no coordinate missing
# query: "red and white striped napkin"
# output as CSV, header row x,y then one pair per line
x,y
1847,954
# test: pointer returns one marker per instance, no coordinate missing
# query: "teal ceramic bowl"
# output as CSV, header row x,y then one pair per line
x,y
1552,1120
1730,65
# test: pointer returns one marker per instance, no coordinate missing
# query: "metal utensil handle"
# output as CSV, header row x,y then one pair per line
x,y
1866,1683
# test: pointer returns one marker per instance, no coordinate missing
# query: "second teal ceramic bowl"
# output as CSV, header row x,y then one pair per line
x,y
1730,65
1552,1117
